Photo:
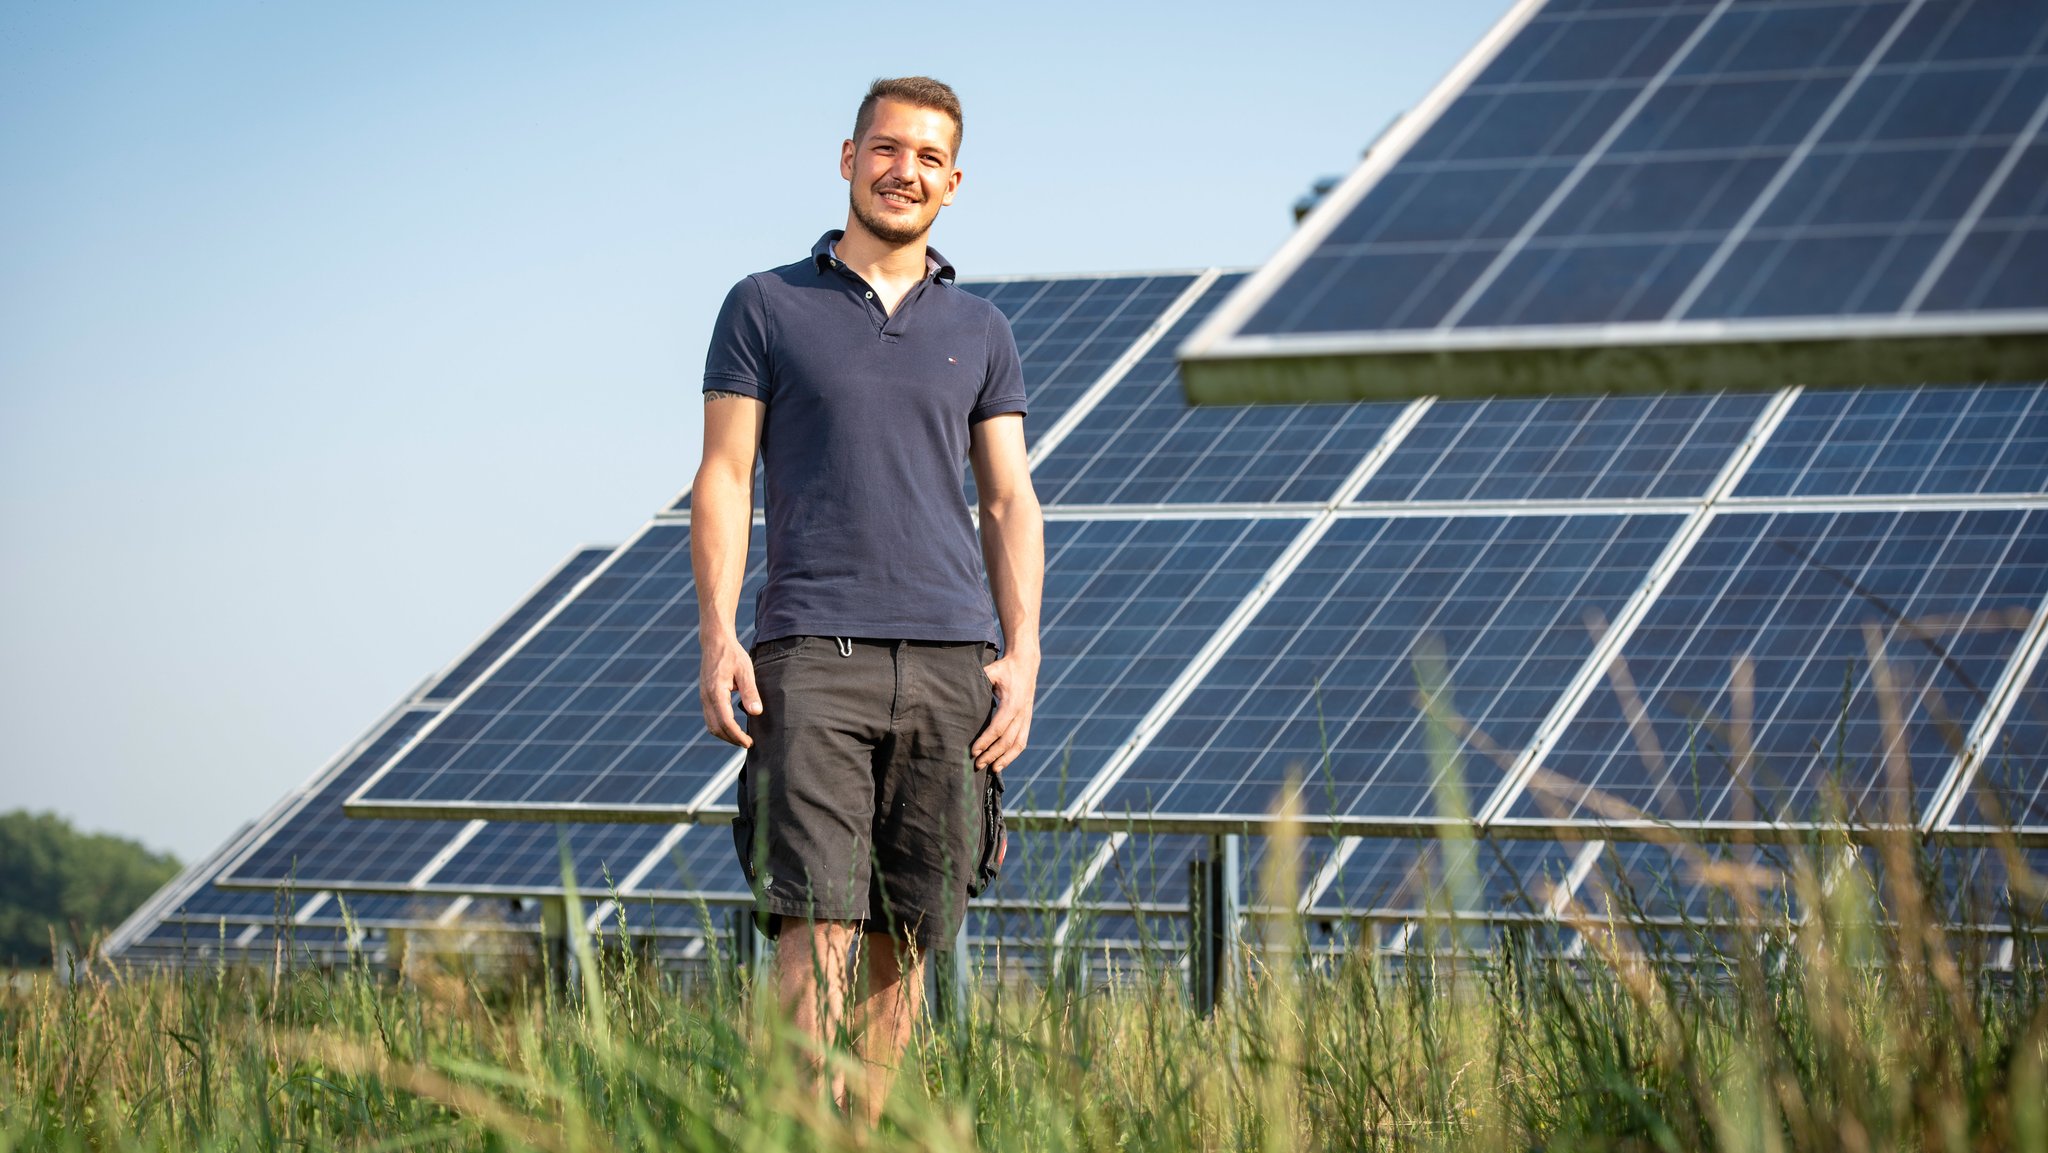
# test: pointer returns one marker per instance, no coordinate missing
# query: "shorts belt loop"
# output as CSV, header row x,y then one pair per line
x,y
845,646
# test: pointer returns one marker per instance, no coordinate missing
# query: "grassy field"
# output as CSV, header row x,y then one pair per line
x,y
1860,1024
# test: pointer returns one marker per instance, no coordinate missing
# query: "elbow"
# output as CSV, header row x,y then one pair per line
x,y
1015,507
716,484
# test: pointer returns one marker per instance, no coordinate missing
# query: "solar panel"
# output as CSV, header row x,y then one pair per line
x,y
1127,604
1998,888
1907,442
313,845
1212,623
1150,871
317,846
594,714
1322,685
1798,598
2009,785
544,597
1142,443
522,857
1681,195
694,863
1694,885
206,903
1070,330
1413,878
1576,448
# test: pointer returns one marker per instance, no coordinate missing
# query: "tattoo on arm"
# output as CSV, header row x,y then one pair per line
x,y
715,394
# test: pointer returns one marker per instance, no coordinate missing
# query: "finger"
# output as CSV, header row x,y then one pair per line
x,y
750,693
981,743
731,732
999,766
1009,748
1002,735
989,732
718,719
999,726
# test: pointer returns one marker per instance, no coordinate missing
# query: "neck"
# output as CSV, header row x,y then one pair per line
x,y
879,260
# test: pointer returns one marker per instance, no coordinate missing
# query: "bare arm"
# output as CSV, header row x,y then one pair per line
x,y
1013,548
721,513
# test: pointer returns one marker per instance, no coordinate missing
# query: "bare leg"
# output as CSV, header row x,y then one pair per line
x,y
810,980
885,1017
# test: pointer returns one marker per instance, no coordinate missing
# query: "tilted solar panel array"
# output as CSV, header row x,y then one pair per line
x,y
1562,625
307,878
1701,182
1240,598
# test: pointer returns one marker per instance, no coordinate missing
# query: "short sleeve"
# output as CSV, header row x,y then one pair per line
x,y
1002,390
738,360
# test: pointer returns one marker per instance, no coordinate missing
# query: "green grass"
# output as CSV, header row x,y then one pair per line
x,y
1825,1004
1862,1025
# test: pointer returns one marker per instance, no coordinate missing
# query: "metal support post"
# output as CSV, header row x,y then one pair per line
x,y
1214,898
395,943
554,941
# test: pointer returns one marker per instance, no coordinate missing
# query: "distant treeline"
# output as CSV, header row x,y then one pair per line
x,y
53,877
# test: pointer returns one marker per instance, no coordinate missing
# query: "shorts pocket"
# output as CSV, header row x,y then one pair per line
x,y
743,840
995,838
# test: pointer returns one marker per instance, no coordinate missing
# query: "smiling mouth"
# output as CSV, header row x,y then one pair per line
x,y
898,198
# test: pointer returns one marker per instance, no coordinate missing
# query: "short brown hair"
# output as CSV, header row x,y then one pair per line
x,y
917,91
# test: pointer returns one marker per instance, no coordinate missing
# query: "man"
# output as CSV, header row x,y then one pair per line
x,y
875,703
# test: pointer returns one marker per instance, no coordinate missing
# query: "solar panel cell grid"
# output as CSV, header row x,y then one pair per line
x,y
373,910
1792,596
1595,448
1419,877
1069,331
1152,869
599,707
1696,883
1322,685
1705,162
514,626
526,857
1127,604
1886,442
2010,786
207,901
318,845
703,863
1142,443
1040,865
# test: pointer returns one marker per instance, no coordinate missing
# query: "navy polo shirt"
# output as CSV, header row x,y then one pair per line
x,y
863,445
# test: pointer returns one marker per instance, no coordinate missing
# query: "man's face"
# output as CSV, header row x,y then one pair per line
x,y
901,172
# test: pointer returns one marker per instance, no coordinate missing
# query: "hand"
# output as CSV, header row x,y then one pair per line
x,y
1016,680
728,670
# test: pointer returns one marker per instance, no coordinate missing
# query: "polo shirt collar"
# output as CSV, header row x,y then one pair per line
x,y
936,266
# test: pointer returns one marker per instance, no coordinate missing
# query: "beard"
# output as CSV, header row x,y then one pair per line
x,y
886,230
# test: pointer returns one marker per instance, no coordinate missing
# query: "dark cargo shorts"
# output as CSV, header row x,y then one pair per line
x,y
859,800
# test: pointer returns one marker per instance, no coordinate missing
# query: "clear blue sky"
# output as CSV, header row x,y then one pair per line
x,y
325,330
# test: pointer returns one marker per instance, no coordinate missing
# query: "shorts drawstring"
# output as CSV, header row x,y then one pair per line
x,y
845,646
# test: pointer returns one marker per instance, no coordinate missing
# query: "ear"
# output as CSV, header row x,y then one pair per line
x,y
952,186
846,160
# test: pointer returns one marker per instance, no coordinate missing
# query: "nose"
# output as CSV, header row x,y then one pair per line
x,y
904,167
